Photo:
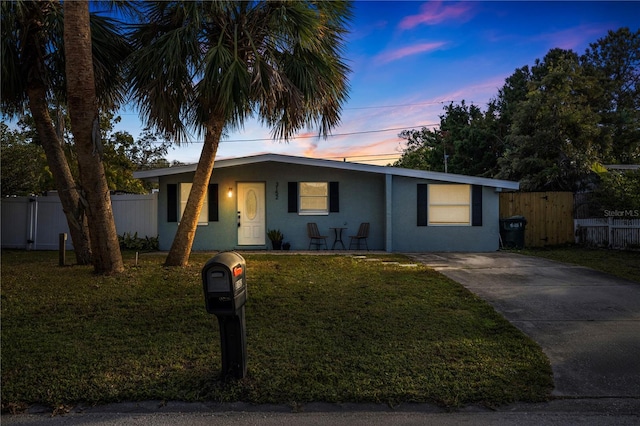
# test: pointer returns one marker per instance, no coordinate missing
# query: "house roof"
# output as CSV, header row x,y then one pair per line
x,y
316,162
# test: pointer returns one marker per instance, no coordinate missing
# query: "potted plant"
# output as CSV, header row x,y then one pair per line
x,y
276,238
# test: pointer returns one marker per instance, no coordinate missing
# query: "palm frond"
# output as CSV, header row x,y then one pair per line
x,y
33,53
281,61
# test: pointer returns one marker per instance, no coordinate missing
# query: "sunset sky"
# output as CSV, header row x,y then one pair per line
x,y
409,59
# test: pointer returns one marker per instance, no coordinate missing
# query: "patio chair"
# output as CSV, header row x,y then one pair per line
x,y
314,236
363,234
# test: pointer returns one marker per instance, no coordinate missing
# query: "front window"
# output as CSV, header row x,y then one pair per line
x,y
449,204
314,198
185,189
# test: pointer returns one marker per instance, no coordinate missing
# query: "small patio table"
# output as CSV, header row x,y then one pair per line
x,y
337,237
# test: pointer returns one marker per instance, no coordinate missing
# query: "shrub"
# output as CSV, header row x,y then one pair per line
x,y
133,242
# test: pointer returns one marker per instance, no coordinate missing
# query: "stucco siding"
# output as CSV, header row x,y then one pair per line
x,y
409,237
386,197
361,199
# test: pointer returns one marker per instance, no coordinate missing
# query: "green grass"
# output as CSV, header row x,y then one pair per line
x,y
623,264
319,328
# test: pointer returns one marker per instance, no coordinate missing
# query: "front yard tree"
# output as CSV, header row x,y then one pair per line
x,y
33,79
83,110
31,66
211,65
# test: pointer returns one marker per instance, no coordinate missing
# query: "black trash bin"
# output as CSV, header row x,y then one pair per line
x,y
512,231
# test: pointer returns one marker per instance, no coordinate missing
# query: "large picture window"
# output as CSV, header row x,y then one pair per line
x,y
314,198
449,204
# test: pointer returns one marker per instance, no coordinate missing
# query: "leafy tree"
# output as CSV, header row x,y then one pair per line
x,y
466,142
24,166
615,62
23,158
149,151
550,145
612,190
472,140
424,150
212,65
124,155
82,104
549,125
619,189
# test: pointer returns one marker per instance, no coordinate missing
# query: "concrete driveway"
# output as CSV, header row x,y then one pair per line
x,y
587,322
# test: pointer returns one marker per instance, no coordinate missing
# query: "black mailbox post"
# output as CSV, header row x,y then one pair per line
x,y
225,293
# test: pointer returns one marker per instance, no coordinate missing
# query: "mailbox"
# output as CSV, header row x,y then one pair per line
x,y
225,294
224,282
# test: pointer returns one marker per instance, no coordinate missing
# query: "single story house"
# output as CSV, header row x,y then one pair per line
x,y
408,210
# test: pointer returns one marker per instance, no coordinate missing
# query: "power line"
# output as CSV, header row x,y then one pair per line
x,y
331,135
404,105
316,136
377,106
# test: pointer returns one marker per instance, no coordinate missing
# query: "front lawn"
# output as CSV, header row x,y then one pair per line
x,y
319,328
621,263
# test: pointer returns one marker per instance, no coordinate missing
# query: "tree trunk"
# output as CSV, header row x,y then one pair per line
x,y
81,95
65,184
52,144
183,240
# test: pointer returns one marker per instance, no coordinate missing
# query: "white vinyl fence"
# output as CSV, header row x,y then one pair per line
x,y
34,223
611,232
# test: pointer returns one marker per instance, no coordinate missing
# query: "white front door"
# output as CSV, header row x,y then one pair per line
x,y
251,214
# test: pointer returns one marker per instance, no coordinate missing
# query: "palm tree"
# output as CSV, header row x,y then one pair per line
x,y
81,97
33,79
210,65
27,30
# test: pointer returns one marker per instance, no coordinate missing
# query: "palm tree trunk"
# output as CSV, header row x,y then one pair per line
x,y
183,240
36,90
81,94
65,184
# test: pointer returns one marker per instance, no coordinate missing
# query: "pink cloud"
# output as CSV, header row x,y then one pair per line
x,y
573,38
434,12
394,55
381,152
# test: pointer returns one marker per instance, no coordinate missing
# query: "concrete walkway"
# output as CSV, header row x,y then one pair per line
x,y
587,322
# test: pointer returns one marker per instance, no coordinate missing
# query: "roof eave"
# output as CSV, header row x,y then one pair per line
x,y
317,162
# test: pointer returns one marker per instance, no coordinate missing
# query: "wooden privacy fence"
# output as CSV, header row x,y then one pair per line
x,y
549,216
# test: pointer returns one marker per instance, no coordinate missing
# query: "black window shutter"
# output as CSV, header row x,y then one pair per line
x,y
292,193
334,197
423,204
476,205
172,202
213,202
